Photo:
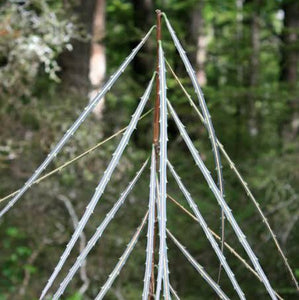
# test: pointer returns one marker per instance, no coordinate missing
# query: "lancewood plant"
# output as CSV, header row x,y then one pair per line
x,y
158,195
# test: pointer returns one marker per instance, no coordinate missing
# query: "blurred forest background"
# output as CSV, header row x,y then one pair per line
x,y
55,54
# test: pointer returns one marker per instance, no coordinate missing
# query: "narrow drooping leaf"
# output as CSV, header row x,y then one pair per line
x,y
242,181
75,125
101,186
222,202
122,260
199,268
207,118
163,272
81,258
150,230
208,234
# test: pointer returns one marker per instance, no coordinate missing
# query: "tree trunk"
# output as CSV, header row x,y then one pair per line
x,y
144,63
289,65
252,20
239,77
197,37
75,63
97,63
290,39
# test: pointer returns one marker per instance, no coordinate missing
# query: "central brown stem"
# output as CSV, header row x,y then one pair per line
x,y
157,102
157,146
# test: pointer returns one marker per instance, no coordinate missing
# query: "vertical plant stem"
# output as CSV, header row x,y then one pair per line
x,y
157,102
156,145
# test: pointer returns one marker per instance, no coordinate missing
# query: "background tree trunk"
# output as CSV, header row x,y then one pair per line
x,y
198,37
289,65
251,81
75,63
97,63
143,15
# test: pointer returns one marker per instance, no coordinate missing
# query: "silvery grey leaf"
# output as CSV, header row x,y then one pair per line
x,y
163,262
202,103
173,292
199,268
121,261
207,118
150,231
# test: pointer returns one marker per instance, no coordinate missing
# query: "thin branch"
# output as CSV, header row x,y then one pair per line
x,y
242,181
34,255
75,125
101,186
122,260
291,223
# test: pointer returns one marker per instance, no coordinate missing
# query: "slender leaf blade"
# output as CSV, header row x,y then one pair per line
x,y
199,268
163,272
150,231
122,260
207,122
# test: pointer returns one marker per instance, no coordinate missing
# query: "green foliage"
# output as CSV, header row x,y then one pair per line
x,y
14,254
76,296
35,111
32,37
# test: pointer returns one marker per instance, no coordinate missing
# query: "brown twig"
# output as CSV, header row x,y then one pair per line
x,y
156,145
